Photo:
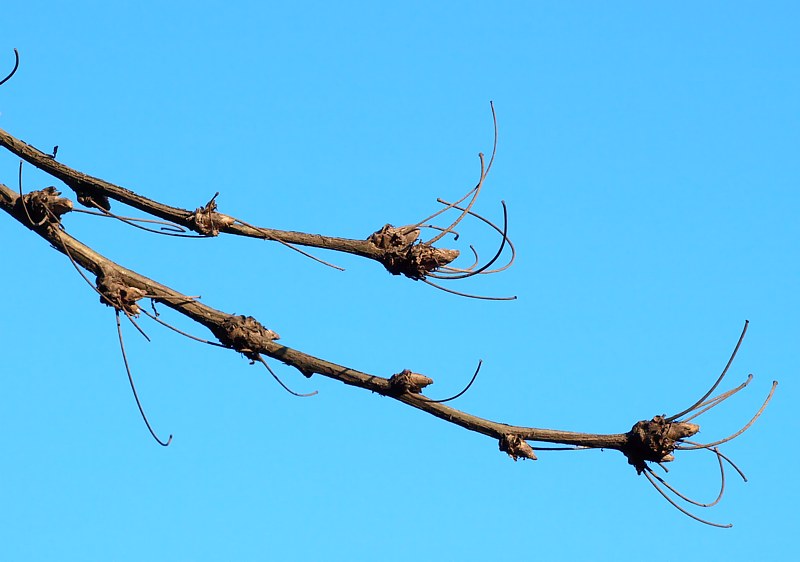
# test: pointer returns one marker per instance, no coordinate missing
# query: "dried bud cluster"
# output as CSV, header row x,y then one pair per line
x,y
117,294
403,255
406,381
516,447
46,205
245,334
206,220
655,440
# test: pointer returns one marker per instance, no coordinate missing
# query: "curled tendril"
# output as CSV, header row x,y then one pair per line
x,y
464,206
651,477
13,70
456,273
181,332
167,228
268,236
466,388
133,387
474,192
719,380
260,359
738,433
701,406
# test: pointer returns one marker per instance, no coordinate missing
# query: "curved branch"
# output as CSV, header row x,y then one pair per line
x,y
95,189
652,441
217,322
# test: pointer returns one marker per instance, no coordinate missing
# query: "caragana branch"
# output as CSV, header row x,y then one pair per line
x,y
648,441
205,220
248,336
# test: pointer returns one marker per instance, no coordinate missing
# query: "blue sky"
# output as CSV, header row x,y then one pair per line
x,y
648,157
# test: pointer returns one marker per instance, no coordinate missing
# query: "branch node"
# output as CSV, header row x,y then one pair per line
x,y
403,254
45,206
206,220
116,294
516,447
655,440
245,334
87,193
407,382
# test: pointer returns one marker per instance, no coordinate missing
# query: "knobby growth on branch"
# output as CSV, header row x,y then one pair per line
x,y
401,250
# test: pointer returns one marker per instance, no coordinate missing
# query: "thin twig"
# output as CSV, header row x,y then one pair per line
x,y
688,499
14,70
269,236
181,332
133,387
719,380
738,433
488,264
168,228
681,509
466,388
280,382
717,400
468,295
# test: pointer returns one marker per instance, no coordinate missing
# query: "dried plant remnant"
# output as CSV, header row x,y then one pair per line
x,y
404,255
133,388
245,334
115,293
88,196
655,440
516,447
206,220
13,70
465,389
407,381
45,206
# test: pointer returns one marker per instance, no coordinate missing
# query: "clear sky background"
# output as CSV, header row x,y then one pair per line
x,y
648,156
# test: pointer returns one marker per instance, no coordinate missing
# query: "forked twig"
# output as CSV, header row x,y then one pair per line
x,y
719,380
719,399
680,508
738,433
